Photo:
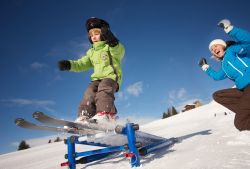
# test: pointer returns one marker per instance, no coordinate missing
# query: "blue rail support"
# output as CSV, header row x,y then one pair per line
x,y
71,152
130,132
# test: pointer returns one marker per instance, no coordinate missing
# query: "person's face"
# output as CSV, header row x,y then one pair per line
x,y
95,36
218,51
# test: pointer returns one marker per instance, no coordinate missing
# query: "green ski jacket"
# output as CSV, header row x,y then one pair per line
x,y
105,60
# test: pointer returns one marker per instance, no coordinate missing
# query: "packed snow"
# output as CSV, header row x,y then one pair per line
x,y
208,137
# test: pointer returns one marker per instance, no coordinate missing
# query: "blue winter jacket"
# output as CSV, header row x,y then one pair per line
x,y
236,62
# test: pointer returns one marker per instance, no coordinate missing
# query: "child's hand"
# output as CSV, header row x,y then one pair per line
x,y
203,64
226,25
64,65
109,37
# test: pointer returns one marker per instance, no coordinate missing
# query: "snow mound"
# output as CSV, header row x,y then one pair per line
x,y
208,137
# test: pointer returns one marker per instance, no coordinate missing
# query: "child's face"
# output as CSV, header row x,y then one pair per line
x,y
95,35
218,50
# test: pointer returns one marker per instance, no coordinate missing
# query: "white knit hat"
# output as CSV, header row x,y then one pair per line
x,y
217,41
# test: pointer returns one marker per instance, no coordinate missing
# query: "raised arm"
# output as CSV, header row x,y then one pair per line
x,y
238,34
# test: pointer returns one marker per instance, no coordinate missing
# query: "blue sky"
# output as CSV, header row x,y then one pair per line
x,y
163,41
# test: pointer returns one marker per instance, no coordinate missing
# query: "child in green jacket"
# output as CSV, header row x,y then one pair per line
x,y
105,58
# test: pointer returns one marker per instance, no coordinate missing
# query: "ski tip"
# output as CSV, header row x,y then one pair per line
x,y
18,121
36,114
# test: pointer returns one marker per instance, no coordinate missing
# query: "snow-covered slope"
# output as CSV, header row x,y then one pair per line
x,y
209,141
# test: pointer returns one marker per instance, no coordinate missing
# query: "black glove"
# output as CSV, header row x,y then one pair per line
x,y
109,37
202,62
64,65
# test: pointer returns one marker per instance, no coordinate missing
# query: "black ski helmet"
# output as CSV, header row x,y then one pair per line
x,y
94,22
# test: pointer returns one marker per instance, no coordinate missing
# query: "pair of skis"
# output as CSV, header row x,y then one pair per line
x,y
60,125
50,123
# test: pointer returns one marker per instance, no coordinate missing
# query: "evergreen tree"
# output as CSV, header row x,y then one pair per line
x,y
165,115
174,111
23,145
171,112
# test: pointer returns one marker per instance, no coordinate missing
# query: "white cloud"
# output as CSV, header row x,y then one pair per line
x,y
179,98
76,47
28,102
55,79
181,93
121,96
135,89
37,66
176,95
45,104
58,78
15,144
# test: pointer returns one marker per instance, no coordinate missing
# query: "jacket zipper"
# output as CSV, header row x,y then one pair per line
x,y
242,61
112,65
235,68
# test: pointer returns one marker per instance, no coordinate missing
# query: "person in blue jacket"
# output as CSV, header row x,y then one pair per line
x,y
235,65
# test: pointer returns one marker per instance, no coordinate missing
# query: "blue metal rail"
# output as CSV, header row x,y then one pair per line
x,y
132,149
